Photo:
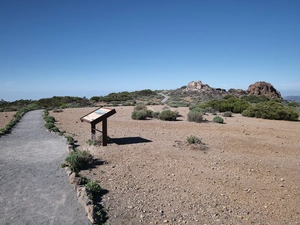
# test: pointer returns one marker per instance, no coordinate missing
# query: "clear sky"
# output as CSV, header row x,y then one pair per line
x,y
95,47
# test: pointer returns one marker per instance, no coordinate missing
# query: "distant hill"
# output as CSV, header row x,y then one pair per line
x,y
292,98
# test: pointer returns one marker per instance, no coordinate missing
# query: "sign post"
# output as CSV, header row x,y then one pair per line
x,y
99,115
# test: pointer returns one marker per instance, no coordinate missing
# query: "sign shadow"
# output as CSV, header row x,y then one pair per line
x,y
129,140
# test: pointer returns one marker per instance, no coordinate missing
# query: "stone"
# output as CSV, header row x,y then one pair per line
x,y
264,88
74,180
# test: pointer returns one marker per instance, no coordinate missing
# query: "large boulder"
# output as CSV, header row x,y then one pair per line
x,y
263,88
198,85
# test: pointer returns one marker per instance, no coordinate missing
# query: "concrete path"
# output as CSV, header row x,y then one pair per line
x,y
33,187
166,97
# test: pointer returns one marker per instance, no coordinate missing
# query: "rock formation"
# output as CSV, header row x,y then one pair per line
x,y
258,88
263,88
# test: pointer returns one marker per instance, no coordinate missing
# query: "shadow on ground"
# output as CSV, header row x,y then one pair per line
x,y
129,140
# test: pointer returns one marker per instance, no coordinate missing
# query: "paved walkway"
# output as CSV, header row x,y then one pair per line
x,y
33,187
166,97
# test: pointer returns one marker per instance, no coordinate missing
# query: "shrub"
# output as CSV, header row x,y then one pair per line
x,y
255,99
49,125
227,114
155,114
232,104
271,110
78,160
49,119
94,187
218,119
193,140
70,140
46,112
139,115
149,113
140,107
168,115
194,116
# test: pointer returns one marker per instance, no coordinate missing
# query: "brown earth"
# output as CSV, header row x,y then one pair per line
x,y
248,175
5,118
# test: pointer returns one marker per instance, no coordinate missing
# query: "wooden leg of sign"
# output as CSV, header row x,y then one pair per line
x,y
104,132
93,131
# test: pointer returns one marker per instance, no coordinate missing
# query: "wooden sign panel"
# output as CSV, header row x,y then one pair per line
x,y
98,115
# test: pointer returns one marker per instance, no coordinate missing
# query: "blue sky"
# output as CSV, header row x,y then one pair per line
x,y
95,47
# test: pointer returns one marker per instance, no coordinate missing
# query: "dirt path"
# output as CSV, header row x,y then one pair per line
x,y
33,187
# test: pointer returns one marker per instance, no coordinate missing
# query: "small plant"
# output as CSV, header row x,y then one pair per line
x,y
99,214
96,142
139,115
227,114
49,119
194,140
94,187
84,180
155,114
70,140
149,113
49,125
140,107
218,119
90,196
78,160
194,116
168,115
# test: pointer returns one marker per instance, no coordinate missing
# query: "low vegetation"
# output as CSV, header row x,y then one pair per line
x,y
195,116
218,119
232,104
168,115
193,140
78,160
271,110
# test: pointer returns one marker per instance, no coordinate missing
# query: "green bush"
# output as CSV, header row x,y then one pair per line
x,y
233,104
227,114
70,140
49,125
78,160
140,107
195,116
193,140
49,119
218,119
94,187
168,115
293,104
255,99
149,113
139,115
272,110
155,114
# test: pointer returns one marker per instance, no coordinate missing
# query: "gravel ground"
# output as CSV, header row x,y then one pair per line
x,y
248,175
34,189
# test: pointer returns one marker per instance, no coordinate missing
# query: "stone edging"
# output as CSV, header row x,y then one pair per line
x,y
81,190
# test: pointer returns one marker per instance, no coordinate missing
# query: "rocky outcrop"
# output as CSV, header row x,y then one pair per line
x,y
258,88
263,88
204,88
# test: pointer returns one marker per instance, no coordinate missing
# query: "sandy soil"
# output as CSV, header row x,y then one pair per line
x,y
5,118
248,175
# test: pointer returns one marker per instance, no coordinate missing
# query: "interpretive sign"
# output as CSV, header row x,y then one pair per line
x,y
97,116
